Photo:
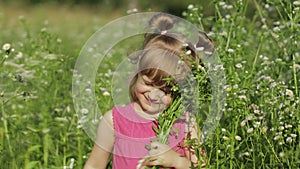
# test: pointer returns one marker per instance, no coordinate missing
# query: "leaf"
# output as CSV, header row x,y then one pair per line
x,y
31,164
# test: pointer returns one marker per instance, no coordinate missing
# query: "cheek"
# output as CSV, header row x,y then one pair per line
x,y
166,100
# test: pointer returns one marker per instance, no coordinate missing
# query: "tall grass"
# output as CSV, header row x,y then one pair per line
x,y
257,41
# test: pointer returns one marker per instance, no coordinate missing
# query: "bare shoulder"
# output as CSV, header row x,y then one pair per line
x,y
108,117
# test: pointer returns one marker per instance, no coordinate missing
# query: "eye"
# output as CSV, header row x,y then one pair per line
x,y
147,81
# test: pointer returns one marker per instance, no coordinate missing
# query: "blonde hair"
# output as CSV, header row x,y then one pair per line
x,y
162,51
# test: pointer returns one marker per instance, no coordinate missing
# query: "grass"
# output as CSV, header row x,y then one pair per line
x,y
256,41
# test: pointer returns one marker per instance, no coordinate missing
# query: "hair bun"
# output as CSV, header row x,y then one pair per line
x,y
161,22
205,43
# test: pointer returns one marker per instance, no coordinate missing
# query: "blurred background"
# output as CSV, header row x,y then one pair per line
x,y
174,7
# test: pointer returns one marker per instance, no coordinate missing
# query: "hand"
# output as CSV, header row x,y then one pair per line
x,y
163,155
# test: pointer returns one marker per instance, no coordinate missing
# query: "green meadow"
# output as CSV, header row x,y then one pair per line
x,y
258,45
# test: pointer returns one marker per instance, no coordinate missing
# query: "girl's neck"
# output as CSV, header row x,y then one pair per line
x,y
144,114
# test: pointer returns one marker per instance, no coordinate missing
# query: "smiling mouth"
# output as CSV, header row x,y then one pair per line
x,y
152,101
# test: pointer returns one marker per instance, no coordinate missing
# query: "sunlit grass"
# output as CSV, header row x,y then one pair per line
x,y
259,129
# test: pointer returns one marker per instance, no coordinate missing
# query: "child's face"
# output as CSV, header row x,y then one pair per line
x,y
151,99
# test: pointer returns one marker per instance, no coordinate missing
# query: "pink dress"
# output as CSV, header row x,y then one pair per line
x,y
132,133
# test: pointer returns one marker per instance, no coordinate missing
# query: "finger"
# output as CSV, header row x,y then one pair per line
x,y
154,146
162,148
153,162
153,153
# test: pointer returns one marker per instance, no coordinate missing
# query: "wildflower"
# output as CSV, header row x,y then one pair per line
x,y
296,3
185,45
238,138
19,55
277,137
84,111
230,50
191,6
224,130
281,154
244,154
200,48
256,124
243,123
250,117
58,40
132,10
88,90
293,135
273,85
106,93
6,47
243,97
289,139
229,6
188,52
289,93
288,126
256,111
228,89
281,128
238,65
222,3
225,138
250,130
264,129
72,163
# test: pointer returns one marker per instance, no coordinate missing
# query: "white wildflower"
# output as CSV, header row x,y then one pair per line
x,y
256,124
200,48
238,138
281,154
185,45
188,52
19,55
88,90
229,6
289,93
243,97
293,135
289,139
250,130
106,93
250,117
6,47
230,50
281,128
84,111
243,123
222,3
296,3
225,138
264,129
238,65
276,137
191,6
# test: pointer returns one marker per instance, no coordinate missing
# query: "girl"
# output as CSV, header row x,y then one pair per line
x,y
124,131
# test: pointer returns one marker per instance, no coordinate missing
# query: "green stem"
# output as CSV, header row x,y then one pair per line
x,y
7,136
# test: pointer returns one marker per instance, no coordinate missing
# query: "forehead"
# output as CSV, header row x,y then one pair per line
x,y
161,60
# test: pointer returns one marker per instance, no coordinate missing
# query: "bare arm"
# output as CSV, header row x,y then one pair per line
x,y
103,145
